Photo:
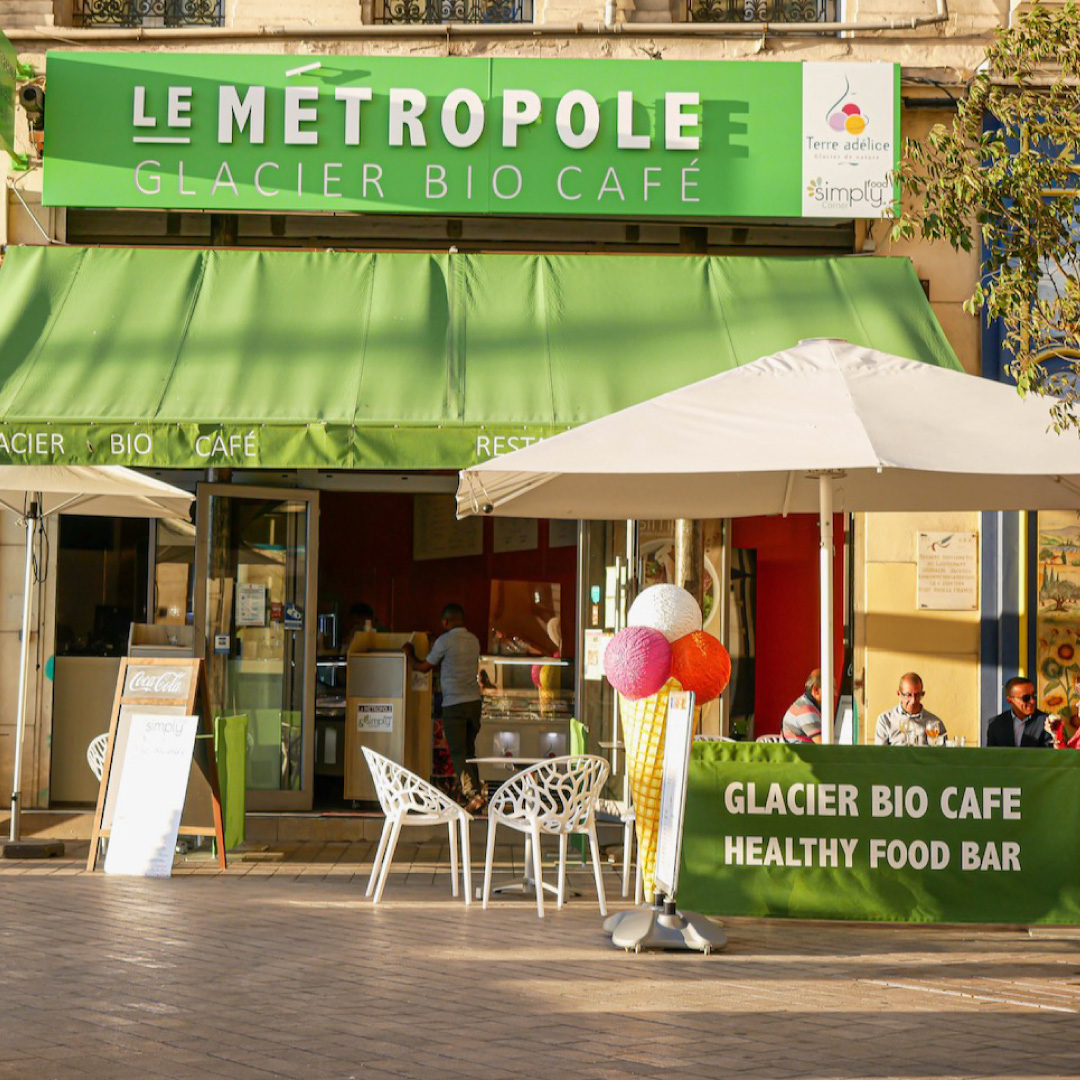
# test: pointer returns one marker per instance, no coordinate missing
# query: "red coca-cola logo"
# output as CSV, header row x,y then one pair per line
x,y
165,682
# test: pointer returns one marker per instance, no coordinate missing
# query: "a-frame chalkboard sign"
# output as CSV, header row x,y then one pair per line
x,y
162,687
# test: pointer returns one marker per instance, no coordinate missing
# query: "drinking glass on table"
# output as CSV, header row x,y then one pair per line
x,y
934,733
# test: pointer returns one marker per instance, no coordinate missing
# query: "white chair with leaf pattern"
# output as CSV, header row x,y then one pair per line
x,y
95,754
406,799
555,798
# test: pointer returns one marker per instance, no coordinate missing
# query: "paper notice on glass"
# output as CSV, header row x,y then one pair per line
x,y
150,799
948,571
596,643
250,604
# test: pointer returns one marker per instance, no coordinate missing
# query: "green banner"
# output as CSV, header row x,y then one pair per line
x,y
471,135
902,834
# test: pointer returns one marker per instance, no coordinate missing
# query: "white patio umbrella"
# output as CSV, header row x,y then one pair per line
x,y
35,492
823,426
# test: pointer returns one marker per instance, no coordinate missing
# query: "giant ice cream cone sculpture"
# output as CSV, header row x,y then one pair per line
x,y
644,724
663,649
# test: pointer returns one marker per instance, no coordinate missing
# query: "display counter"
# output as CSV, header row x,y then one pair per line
x,y
527,706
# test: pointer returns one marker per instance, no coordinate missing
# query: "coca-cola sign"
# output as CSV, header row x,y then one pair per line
x,y
157,682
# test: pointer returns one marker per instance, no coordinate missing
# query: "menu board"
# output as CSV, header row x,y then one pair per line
x,y
154,695
562,533
516,534
150,797
437,534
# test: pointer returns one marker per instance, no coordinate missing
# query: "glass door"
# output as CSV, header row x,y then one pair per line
x,y
255,624
607,583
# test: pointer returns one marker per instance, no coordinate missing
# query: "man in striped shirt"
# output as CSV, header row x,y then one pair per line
x,y
802,722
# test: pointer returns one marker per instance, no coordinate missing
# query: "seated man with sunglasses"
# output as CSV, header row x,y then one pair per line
x,y
1022,724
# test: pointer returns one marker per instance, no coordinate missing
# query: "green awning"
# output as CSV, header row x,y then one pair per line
x,y
174,358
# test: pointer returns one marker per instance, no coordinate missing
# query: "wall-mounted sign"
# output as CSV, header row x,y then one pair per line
x,y
948,571
471,135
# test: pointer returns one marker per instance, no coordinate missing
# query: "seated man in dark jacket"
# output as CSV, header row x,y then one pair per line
x,y
1022,724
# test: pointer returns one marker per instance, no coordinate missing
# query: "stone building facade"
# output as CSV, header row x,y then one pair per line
x,y
937,43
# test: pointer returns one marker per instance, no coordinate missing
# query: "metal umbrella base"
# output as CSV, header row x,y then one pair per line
x,y
32,849
654,927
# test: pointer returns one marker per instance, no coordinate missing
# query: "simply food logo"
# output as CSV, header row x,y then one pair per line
x,y
870,194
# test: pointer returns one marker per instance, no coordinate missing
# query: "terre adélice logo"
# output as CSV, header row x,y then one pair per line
x,y
844,115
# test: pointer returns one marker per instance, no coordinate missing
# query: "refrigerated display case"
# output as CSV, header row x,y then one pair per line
x,y
527,706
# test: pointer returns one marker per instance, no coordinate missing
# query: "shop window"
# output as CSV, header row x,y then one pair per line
x,y
166,13
436,12
762,11
101,584
174,573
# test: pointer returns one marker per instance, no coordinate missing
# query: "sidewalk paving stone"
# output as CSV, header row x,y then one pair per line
x,y
278,967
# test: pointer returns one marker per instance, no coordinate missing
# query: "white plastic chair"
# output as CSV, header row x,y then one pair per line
x,y
555,798
95,754
406,799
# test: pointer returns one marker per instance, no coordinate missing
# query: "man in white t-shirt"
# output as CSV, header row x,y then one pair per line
x,y
456,653
907,723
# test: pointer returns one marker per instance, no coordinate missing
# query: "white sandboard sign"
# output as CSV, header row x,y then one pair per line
x,y
150,799
680,726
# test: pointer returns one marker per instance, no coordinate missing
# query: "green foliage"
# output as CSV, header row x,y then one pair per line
x,y
1012,188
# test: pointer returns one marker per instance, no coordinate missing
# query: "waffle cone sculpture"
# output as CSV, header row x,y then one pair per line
x,y
644,723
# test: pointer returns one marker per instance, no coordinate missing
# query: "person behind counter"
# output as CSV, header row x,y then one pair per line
x,y
361,617
456,653
1023,723
802,722
907,723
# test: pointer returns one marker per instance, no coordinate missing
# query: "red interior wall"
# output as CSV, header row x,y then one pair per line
x,y
788,618
365,554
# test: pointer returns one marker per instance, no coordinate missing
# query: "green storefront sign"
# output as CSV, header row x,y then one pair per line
x,y
902,834
471,136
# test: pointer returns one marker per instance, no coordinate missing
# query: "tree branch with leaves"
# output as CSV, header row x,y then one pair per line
x,y
1006,175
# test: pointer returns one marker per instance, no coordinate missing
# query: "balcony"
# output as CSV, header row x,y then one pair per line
x,y
761,11
135,13
436,12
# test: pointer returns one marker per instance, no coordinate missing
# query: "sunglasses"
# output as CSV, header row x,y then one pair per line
x,y
1026,698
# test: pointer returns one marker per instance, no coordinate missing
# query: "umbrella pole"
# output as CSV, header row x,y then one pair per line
x,y
24,649
825,514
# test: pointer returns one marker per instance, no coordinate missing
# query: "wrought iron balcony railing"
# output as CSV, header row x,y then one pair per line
x,y
753,11
455,11
134,13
